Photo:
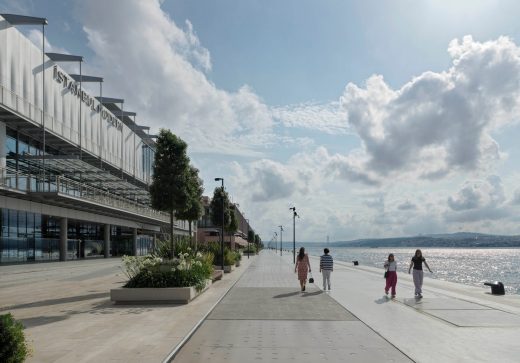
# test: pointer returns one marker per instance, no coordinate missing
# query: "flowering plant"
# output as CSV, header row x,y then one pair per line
x,y
188,269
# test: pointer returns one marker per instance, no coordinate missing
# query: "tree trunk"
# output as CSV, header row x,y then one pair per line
x,y
171,232
189,231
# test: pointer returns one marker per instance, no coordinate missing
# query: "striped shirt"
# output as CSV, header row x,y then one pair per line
x,y
326,262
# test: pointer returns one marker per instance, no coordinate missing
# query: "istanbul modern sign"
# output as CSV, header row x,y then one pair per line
x,y
75,90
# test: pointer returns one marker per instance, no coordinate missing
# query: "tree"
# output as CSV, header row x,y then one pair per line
x,y
251,236
169,189
232,227
220,202
216,208
257,241
193,210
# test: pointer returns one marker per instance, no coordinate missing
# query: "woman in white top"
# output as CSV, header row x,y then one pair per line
x,y
391,275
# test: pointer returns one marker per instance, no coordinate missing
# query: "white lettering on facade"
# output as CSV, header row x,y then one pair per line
x,y
75,90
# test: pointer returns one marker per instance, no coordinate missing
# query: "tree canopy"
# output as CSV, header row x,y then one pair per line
x,y
170,190
216,208
193,209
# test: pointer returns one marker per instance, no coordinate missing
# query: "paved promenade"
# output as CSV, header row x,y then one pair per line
x,y
257,313
68,315
265,318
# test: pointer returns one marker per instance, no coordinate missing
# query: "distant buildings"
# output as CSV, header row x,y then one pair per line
x,y
207,232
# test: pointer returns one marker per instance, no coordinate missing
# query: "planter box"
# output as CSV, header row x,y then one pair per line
x,y
237,263
229,268
151,295
217,275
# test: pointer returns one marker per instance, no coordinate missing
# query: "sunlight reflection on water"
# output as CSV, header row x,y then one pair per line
x,y
470,266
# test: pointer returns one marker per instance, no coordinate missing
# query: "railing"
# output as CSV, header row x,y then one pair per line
x,y
76,189
62,185
13,180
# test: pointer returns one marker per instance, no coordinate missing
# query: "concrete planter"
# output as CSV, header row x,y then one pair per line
x,y
229,268
160,295
237,263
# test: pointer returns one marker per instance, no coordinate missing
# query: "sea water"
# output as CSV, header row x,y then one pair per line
x,y
470,266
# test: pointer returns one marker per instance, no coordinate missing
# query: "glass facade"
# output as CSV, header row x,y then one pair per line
x,y
33,237
27,237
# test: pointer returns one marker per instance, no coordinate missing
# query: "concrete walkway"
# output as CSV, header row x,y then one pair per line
x,y
68,315
265,317
261,316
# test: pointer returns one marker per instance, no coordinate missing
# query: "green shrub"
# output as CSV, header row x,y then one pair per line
x,y
186,270
13,348
214,249
238,255
229,257
251,250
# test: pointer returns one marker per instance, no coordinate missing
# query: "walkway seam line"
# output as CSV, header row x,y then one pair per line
x,y
171,356
369,327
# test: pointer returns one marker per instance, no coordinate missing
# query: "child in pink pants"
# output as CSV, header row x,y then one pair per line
x,y
391,278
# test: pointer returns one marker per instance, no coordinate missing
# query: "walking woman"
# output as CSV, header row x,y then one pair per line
x,y
417,261
302,266
391,275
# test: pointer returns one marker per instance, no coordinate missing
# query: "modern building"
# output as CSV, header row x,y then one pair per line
x,y
207,232
75,167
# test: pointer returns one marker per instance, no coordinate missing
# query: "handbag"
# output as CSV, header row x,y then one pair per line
x,y
311,279
386,274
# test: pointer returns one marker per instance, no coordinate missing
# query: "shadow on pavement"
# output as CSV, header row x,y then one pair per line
x,y
62,300
289,294
382,300
319,292
42,320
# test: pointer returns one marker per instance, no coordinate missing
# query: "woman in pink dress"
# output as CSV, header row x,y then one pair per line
x,y
302,266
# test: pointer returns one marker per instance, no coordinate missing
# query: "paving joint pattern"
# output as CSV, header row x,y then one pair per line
x,y
265,317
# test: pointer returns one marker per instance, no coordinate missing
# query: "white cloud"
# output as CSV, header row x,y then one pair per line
x,y
329,117
437,123
36,37
407,205
159,69
479,200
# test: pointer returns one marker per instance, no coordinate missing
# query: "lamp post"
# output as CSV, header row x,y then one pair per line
x,y
222,229
248,242
294,232
275,238
281,230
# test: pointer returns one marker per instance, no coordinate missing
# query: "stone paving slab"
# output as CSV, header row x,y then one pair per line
x,y
477,318
442,304
279,303
287,341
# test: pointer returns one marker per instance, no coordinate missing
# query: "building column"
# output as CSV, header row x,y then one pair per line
x,y
63,238
154,242
106,235
134,240
3,151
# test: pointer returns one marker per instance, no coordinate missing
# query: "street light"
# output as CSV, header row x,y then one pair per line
x,y
248,242
281,230
222,230
294,232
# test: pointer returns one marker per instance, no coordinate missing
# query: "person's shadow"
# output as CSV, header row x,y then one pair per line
x,y
313,293
382,300
289,294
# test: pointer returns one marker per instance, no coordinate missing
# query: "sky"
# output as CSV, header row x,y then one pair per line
x,y
372,118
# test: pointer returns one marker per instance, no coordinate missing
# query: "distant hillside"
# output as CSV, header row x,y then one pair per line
x,y
461,239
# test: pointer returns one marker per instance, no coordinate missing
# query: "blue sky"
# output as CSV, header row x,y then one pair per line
x,y
373,118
